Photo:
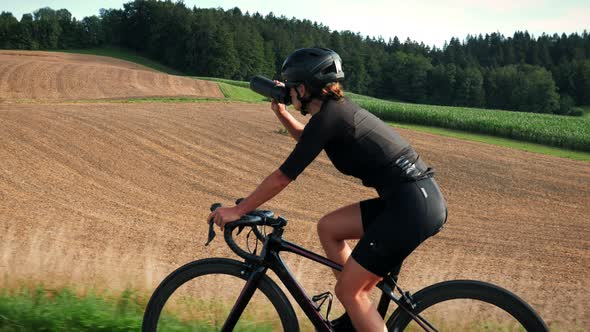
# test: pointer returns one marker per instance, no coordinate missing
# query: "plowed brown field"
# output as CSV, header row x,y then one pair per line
x,y
26,75
115,195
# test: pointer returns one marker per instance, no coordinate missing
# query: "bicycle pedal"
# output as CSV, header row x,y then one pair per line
x,y
321,298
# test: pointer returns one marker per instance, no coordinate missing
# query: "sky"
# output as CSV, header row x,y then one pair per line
x,y
430,21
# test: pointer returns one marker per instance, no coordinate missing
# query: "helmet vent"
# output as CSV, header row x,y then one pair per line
x,y
330,69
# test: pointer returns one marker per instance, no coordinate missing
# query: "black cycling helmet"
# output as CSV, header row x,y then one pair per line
x,y
314,67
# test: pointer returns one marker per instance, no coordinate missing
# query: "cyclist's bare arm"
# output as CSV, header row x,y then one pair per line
x,y
269,188
294,127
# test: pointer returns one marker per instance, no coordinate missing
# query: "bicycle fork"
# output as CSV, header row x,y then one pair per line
x,y
244,298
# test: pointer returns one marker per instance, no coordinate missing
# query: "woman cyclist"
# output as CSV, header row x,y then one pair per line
x,y
410,207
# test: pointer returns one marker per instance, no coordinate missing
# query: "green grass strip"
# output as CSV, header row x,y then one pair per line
x,y
238,93
499,141
39,309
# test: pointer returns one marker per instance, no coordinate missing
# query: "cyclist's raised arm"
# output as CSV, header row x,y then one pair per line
x,y
269,188
294,127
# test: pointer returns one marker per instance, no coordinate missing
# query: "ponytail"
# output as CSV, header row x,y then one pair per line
x,y
332,91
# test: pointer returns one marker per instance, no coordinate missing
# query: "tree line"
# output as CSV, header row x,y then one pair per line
x,y
546,74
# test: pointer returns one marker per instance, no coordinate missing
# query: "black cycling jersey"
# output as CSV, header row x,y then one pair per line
x,y
410,208
359,144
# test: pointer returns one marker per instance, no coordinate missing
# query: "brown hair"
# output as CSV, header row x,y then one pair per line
x,y
333,91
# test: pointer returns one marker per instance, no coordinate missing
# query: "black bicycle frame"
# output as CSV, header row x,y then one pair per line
x,y
273,245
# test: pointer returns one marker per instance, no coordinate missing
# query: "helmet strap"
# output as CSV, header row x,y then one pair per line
x,y
304,102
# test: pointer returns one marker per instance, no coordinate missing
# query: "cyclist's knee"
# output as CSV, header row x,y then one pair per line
x,y
347,294
324,228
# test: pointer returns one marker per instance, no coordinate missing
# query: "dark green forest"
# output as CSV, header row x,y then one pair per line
x,y
543,74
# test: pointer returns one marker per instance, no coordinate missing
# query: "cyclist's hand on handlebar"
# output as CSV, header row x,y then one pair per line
x,y
222,216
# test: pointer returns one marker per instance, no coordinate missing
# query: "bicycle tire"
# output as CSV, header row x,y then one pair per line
x,y
216,266
469,289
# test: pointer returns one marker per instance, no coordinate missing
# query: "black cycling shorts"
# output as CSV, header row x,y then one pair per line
x,y
395,226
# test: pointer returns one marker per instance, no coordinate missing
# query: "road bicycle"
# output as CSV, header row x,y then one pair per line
x,y
220,309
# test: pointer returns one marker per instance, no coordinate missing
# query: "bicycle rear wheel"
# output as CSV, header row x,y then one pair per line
x,y
200,295
468,305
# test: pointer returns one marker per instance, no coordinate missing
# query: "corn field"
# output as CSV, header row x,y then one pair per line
x,y
555,130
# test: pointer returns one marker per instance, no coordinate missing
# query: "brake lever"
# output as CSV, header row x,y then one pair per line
x,y
211,235
211,232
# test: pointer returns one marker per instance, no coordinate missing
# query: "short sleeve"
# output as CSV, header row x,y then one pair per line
x,y
310,144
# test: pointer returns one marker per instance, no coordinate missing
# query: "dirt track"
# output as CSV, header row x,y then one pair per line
x,y
112,195
26,75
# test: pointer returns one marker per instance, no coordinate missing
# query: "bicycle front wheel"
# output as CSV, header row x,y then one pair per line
x,y
200,296
468,305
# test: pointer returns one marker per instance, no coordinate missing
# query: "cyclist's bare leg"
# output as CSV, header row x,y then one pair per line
x,y
337,226
352,289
